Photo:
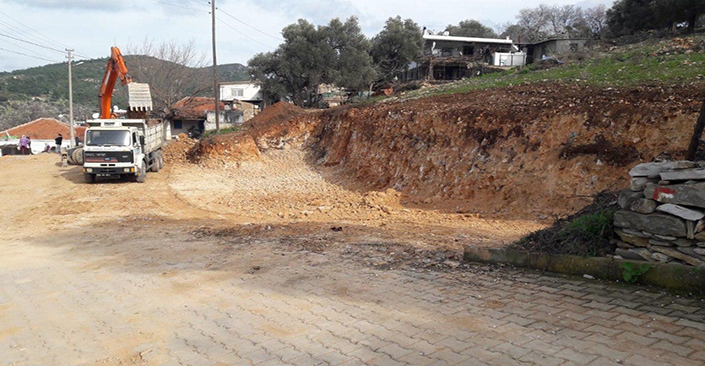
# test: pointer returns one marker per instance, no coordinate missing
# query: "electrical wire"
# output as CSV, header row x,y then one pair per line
x,y
176,5
38,39
243,34
265,33
24,54
22,47
32,43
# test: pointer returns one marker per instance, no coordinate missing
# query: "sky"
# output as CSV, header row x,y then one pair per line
x,y
37,32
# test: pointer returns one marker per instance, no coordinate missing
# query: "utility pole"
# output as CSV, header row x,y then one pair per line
x,y
215,73
73,139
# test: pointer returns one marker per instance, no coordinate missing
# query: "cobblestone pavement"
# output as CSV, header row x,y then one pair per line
x,y
178,299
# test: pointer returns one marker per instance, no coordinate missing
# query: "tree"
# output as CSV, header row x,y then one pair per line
x,y
397,45
471,28
265,69
336,54
629,16
183,75
354,69
596,19
534,22
566,21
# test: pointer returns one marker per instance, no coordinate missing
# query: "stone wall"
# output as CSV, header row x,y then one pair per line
x,y
662,213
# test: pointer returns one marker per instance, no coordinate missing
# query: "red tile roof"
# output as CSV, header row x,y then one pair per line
x,y
44,129
194,108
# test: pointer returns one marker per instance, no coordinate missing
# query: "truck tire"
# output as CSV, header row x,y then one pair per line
x,y
161,160
155,163
142,175
90,178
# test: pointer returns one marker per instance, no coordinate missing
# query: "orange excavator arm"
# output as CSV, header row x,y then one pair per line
x,y
116,68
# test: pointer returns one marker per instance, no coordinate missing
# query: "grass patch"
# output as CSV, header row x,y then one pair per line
x,y
633,65
222,132
586,233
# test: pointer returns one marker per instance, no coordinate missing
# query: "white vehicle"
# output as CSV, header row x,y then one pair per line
x,y
119,148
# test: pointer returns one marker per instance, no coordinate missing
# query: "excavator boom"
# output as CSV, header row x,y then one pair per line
x,y
138,95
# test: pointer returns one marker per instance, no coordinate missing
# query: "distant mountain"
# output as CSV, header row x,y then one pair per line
x,y
50,82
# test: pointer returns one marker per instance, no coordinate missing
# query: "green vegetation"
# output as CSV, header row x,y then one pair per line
x,y
586,233
50,82
222,132
632,271
639,65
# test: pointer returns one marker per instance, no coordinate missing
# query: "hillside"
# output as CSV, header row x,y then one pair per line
x,y
537,146
50,82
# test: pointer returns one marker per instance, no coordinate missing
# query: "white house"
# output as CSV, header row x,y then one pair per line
x,y
243,91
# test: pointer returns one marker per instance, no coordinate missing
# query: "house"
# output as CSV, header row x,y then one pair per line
x,y
449,57
197,114
42,132
244,96
553,47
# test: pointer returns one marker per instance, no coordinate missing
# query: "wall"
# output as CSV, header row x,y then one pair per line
x,y
249,92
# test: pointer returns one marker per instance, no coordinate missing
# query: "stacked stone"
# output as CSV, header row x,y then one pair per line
x,y
663,213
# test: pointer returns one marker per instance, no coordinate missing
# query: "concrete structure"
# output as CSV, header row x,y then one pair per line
x,y
553,47
449,57
197,114
243,91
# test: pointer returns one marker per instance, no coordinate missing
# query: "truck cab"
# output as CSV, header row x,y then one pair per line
x,y
116,148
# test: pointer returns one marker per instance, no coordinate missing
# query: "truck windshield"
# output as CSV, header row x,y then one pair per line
x,y
106,138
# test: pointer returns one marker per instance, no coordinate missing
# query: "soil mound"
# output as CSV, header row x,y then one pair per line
x,y
176,151
274,116
220,149
529,151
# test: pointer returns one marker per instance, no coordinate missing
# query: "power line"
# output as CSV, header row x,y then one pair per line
x,y
22,47
176,5
265,33
38,39
32,43
243,34
24,54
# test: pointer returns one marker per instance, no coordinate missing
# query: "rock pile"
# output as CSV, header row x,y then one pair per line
x,y
663,213
681,46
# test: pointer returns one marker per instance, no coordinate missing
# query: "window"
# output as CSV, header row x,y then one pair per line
x,y
178,125
237,92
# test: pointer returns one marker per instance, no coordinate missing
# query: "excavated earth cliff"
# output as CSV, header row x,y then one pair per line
x,y
525,152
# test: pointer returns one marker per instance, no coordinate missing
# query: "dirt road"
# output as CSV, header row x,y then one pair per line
x,y
276,262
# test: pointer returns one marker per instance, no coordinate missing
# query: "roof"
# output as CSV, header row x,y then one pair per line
x,y
44,129
555,40
194,108
436,37
239,83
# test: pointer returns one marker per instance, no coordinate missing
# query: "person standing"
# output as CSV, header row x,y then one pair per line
x,y
58,140
24,145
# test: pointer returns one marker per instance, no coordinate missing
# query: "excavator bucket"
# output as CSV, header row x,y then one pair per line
x,y
139,99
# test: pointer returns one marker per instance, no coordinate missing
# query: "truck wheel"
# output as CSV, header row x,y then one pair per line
x,y
161,160
157,162
90,178
142,176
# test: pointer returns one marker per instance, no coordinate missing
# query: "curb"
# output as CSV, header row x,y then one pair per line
x,y
671,276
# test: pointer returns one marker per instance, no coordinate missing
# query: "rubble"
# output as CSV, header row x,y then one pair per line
x,y
665,221
681,46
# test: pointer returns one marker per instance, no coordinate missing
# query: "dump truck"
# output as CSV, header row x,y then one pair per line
x,y
123,147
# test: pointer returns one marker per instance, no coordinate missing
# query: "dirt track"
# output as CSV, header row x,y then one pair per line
x,y
280,191
200,266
